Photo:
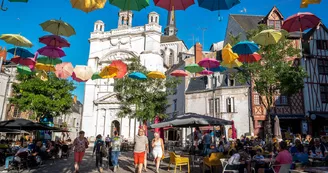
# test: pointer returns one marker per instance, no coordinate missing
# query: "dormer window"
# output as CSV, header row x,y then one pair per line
x,y
275,24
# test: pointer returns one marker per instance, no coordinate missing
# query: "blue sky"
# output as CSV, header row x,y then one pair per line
x,y
24,18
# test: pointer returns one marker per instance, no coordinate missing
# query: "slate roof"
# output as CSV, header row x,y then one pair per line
x,y
247,22
167,39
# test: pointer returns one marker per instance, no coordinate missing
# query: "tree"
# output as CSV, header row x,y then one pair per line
x,y
44,98
143,99
273,74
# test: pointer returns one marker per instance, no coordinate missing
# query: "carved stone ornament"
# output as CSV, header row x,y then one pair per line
x,y
117,55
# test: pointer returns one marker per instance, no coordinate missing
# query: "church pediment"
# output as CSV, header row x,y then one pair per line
x,y
107,99
119,54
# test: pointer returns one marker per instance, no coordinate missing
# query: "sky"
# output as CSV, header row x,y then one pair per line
x,y
24,19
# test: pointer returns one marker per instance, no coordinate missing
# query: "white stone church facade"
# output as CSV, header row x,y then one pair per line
x,y
156,51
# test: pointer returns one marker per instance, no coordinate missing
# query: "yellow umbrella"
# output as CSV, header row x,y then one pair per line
x,y
305,3
228,55
156,75
267,37
88,5
16,40
45,67
42,75
108,72
235,63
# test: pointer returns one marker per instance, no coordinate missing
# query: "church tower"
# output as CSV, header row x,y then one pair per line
x,y
125,19
99,26
170,27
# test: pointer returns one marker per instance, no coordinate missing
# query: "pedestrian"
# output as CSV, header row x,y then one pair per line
x,y
116,147
80,144
158,150
99,143
140,148
107,140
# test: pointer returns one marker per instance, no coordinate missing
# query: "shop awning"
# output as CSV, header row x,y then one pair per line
x,y
289,116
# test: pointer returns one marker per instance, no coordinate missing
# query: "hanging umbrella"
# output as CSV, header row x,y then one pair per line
x,y
170,5
137,75
194,68
234,132
21,52
249,58
42,75
108,72
23,61
51,51
179,73
277,130
232,64
228,55
300,22
245,47
267,37
58,27
54,40
156,75
217,5
122,68
88,5
16,39
45,67
18,0
206,72
305,3
48,60
209,63
64,70
82,73
126,5
95,76
24,70
218,69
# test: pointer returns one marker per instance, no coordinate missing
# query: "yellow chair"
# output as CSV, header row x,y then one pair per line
x,y
213,160
177,160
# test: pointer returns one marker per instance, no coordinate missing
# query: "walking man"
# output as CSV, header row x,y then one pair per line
x,y
116,147
99,143
140,148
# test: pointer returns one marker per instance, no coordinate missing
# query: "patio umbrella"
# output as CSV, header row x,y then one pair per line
x,y
24,70
88,5
127,5
22,124
45,67
54,40
305,3
300,22
249,58
48,60
58,27
234,133
206,72
179,73
191,120
51,51
194,68
64,70
218,69
156,75
108,72
82,73
267,37
21,52
245,47
96,76
170,5
137,75
277,130
209,63
122,68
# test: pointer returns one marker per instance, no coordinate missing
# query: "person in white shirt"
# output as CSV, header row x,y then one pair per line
x,y
234,162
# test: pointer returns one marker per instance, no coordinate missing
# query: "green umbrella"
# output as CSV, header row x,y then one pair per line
x,y
130,4
194,68
96,76
58,27
49,61
18,0
24,69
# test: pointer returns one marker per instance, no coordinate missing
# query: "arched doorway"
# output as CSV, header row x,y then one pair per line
x,y
115,127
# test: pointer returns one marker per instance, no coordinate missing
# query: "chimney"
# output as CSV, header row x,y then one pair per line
x,y
198,52
75,99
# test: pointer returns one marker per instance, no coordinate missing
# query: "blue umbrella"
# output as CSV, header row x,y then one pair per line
x,y
137,75
218,69
215,5
245,47
24,53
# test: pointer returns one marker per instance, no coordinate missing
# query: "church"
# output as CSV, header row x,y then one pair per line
x,y
156,51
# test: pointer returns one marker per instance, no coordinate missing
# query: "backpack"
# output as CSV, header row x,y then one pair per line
x,y
104,152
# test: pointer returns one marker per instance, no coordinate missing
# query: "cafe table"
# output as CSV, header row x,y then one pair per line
x,y
316,169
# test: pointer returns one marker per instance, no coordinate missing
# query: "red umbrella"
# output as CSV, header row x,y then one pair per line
x,y
54,40
122,68
300,22
206,72
51,51
24,61
209,63
234,133
249,58
179,73
174,4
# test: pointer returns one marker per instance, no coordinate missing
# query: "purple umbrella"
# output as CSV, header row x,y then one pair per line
x,y
206,72
209,63
51,51
54,40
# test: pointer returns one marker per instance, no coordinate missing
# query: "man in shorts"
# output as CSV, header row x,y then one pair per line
x,y
140,148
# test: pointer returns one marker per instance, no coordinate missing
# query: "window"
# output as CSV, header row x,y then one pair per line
x,y
275,24
156,19
256,99
171,59
324,93
230,104
281,100
214,82
216,106
231,82
322,44
74,122
100,28
16,113
210,104
323,66
260,123
174,105
151,19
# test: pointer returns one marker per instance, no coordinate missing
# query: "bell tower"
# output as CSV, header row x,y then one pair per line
x,y
125,19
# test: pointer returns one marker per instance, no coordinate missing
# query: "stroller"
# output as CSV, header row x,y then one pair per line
x,y
65,151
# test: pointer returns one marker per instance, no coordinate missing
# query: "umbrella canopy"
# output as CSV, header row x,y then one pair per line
x,y
88,5
267,37
228,55
277,130
209,63
58,27
191,120
96,76
82,73
300,22
64,70
305,3
194,68
108,72
179,73
170,5
245,47
206,72
54,40
126,5
18,0
23,124
24,70
24,61
45,67
249,58
42,75
137,75
11,130
48,61
122,68
51,51
234,132
156,75
16,39
214,5
21,52
218,69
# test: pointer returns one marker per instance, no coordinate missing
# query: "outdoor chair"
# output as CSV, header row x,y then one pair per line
x,y
213,160
284,168
177,160
225,163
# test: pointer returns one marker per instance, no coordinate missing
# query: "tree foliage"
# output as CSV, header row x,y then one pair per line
x,y
51,98
143,99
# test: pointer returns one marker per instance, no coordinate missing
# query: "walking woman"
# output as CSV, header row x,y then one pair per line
x,y
80,144
158,150
99,143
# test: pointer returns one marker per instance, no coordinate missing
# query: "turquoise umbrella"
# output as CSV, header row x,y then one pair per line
x,y
137,75
245,47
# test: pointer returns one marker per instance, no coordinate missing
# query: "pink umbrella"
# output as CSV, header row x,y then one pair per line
x,y
234,133
179,73
51,51
249,58
209,63
174,4
206,72
64,70
24,61
54,40
300,22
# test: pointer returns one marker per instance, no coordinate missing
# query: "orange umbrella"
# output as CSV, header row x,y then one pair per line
x,y
108,72
122,68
